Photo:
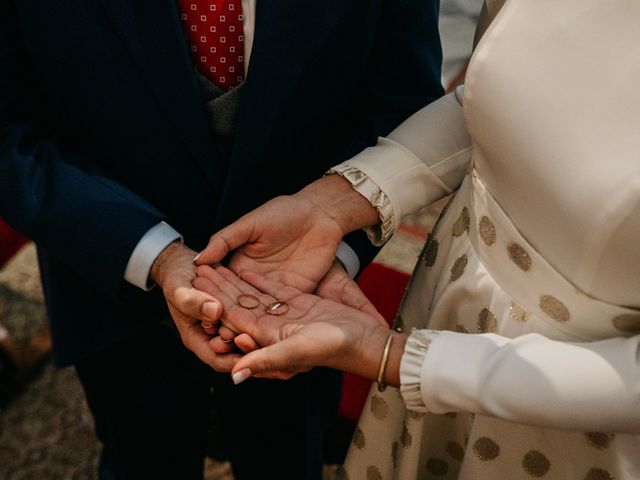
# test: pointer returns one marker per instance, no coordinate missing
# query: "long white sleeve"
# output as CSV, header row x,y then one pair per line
x,y
593,386
421,161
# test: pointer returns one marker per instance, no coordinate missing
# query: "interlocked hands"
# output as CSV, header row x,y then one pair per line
x,y
285,250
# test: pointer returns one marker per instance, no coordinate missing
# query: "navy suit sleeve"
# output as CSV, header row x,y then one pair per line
x,y
54,194
404,76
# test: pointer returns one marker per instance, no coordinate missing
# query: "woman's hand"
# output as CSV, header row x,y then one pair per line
x,y
313,332
293,239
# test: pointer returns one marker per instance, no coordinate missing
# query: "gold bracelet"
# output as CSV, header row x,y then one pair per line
x,y
383,364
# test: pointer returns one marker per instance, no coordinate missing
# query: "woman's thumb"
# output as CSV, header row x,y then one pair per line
x,y
275,358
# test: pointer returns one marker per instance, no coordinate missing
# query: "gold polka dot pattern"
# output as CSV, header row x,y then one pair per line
x,y
628,322
458,268
486,449
359,439
461,328
519,256
431,253
415,415
486,321
554,308
455,451
437,467
341,473
373,473
405,437
598,474
536,464
599,440
379,407
517,312
487,231
462,223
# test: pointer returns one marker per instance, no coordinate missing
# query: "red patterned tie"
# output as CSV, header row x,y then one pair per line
x,y
216,37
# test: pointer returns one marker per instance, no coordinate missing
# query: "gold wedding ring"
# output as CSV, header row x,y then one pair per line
x,y
248,301
277,308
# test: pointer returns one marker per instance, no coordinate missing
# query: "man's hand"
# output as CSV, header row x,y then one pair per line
x,y
293,239
174,271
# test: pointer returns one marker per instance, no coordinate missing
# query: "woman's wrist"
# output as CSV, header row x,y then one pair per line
x,y
335,196
392,373
368,355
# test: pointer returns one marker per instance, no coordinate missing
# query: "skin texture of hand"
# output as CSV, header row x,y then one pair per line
x,y
314,332
337,286
174,272
293,239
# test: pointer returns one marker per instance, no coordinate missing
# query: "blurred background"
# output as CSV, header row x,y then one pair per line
x,y
46,431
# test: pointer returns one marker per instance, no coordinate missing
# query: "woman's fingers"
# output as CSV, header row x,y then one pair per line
x,y
226,334
274,288
268,361
246,343
245,289
210,328
226,240
219,346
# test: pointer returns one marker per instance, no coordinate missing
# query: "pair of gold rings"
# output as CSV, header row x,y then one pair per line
x,y
248,301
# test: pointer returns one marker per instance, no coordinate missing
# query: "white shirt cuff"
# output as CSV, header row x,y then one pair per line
x,y
147,250
349,259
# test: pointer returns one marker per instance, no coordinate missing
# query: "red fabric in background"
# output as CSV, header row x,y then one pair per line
x,y
10,242
384,286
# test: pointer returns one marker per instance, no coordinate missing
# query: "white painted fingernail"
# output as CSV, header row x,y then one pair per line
x,y
195,259
241,376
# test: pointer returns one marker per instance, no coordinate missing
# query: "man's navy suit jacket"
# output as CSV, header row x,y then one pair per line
x,y
103,133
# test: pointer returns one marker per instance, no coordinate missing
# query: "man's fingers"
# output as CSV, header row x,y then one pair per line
x,y
210,328
246,343
225,241
196,340
226,334
194,303
218,345
224,362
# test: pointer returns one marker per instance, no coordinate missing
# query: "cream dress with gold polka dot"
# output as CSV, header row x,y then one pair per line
x,y
526,361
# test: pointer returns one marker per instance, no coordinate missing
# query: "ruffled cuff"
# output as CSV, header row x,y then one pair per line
x,y
379,233
411,365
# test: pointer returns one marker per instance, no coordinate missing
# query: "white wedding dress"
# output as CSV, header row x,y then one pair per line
x,y
526,361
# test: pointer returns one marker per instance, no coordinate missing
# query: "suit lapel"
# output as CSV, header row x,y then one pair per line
x,y
286,36
152,33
